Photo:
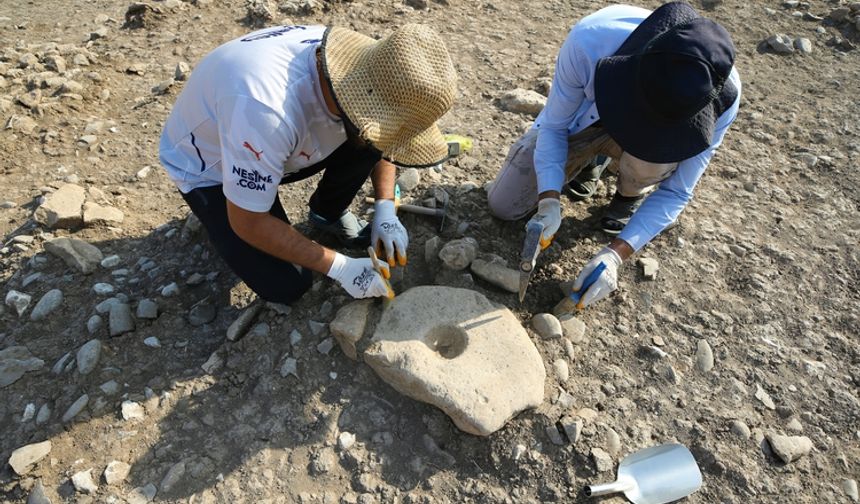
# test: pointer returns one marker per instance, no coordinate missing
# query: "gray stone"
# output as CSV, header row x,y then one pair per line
x,y
44,414
497,274
764,397
325,346
280,308
789,448
323,461
289,367
15,361
142,495
170,290
572,428
147,309
24,458
88,356
547,326
562,371
213,363
120,319
162,86
317,328
29,279
62,363
103,289
704,356
173,476
455,349
459,254
49,302
649,266
95,214
180,73
37,494
19,301
116,472
62,208
803,45
523,101
240,326
781,44
849,486
554,435
152,342
75,253
83,482
76,408
110,387
132,411
105,306
110,262
602,460
573,328
349,324
431,249
295,337
94,323
740,429
409,179
202,314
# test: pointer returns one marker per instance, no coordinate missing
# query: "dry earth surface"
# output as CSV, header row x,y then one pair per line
x,y
762,273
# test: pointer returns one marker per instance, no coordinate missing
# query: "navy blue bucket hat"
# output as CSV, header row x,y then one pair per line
x,y
660,94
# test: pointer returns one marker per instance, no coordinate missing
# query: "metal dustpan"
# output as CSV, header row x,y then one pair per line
x,y
655,475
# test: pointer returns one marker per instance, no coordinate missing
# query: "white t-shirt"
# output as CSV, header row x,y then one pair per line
x,y
251,113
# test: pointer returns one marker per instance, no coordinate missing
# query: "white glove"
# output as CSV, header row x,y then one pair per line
x,y
358,277
605,284
549,216
388,230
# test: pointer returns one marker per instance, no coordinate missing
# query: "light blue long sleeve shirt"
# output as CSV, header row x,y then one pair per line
x,y
571,108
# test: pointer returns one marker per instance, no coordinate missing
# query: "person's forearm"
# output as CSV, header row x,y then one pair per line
x,y
277,238
382,177
622,248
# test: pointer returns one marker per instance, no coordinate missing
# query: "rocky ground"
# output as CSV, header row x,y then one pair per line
x,y
119,382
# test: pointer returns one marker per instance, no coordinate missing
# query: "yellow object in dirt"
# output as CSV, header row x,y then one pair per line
x,y
461,144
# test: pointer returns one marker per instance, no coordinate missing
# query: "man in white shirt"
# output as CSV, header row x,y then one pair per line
x,y
284,103
655,91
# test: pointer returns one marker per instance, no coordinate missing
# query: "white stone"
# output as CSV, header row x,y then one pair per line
x,y
650,266
29,413
573,328
704,356
170,290
456,350
789,448
173,476
103,289
23,459
547,326
19,301
132,411
459,254
409,179
110,262
345,440
349,324
152,342
95,214
44,414
523,101
83,482
62,208
142,495
116,472
562,371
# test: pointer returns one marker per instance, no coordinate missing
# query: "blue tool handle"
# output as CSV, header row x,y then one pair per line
x,y
589,281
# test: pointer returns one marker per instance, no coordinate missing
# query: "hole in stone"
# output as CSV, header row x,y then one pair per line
x,y
448,341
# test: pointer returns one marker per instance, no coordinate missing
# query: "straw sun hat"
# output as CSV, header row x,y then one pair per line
x,y
393,90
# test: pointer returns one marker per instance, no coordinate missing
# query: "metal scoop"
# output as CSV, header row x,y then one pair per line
x,y
655,475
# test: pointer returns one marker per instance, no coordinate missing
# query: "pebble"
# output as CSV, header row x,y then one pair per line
x,y
613,442
289,367
60,365
213,363
181,71
345,440
518,451
740,429
132,411
572,428
94,323
409,179
31,278
24,458
120,319
547,326
554,435
170,290
37,494
103,289
195,279
44,414
849,486
323,461
562,371
781,44
522,101
649,266
240,326
602,460
317,328
295,337
794,425
459,254
325,346
88,356
789,448
142,495
47,304
764,397
19,301
109,387
105,306
260,330
76,408
704,356
116,472
804,45
143,172
173,476
29,413
152,342
83,482
202,314
147,309
573,328
431,249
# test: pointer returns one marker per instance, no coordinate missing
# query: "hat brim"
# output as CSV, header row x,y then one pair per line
x,y
636,128
346,56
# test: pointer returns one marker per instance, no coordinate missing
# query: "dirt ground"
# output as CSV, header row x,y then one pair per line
x,y
763,266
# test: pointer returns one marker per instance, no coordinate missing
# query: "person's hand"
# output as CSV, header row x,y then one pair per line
x,y
548,216
358,278
388,233
605,284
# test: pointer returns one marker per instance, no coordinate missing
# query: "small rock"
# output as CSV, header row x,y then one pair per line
x,y
562,370
345,440
518,451
409,179
49,302
240,326
781,44
44,414
88,356
323,461
62,208
649,267
554,435
547,326
602,460
523,101
23,459
349,324
83,482
572,428
152,342
325,346
29,413
109,387
105,306
18,300
202,314
613,442
95,214
75,253
804,45
110,262
120,320
170,290
37,494
173,476
76,408
29,279
94,323
740,429
147,309
289,367
213,363
116,472
132,411
789,448
849,486
573,328
317,328
704,356
764,397
295,337
142,495
497,274
459,254
794,425
143,172
431,249
103,289
197,279
162,86
181,72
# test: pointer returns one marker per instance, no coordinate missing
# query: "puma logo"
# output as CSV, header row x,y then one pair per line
x,y
305,154
256,153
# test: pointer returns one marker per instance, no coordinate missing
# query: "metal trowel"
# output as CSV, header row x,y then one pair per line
x,y
655,475
528,257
